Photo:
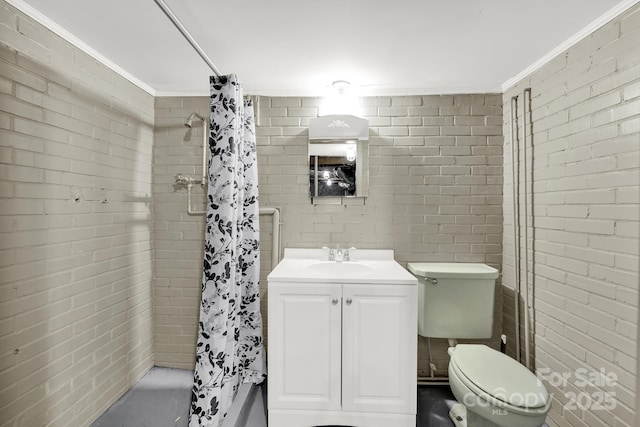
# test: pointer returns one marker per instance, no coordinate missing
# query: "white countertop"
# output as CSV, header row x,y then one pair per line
x,y
371,266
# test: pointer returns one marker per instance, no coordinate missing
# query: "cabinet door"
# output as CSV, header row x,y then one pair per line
x,y
304,346
379,347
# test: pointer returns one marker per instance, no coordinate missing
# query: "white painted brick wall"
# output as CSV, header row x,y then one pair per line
x,y
75,136
586,181
75,241
435,195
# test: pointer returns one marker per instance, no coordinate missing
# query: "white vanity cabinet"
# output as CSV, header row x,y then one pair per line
x,y
342,353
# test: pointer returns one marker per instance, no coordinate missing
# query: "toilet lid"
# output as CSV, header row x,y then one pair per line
x,y
452,270
499,376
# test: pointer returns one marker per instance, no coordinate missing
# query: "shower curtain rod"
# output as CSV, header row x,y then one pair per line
x,y
174,19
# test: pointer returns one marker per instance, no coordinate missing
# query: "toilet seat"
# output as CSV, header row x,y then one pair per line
x,y
499,379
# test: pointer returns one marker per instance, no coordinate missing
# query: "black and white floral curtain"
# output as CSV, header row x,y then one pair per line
x,y
230,346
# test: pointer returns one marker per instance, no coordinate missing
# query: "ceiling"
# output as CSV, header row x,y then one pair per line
x,y
289,47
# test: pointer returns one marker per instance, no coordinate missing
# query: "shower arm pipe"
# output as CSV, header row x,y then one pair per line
x,y
526,100
185,33
515,183
205,138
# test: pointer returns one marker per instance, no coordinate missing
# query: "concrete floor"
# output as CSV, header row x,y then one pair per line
x,y
160,399
163,396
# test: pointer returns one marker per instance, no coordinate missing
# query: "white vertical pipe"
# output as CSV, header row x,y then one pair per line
x,y
205,151
516,220
527,110
275,236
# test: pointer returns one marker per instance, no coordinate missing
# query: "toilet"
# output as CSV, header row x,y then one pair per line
x,y
456,301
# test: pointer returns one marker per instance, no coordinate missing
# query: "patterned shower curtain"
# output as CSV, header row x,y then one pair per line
x,y
230,347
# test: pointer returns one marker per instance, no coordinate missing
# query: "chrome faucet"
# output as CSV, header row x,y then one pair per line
x,y
338,255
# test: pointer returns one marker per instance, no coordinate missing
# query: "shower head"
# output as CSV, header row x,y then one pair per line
x,y
189,122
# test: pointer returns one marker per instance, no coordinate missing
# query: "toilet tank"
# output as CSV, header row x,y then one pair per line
x,y
455,299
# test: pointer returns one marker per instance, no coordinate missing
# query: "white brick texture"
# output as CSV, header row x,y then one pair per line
x,y
76,317
584,184
434,196
100,264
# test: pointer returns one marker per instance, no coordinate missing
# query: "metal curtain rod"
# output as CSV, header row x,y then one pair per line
x,y
187,35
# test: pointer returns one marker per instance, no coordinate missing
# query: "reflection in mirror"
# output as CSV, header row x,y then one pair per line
x,y
338,156
338,168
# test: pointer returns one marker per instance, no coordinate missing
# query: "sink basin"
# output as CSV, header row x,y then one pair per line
x,y
367,266
332,268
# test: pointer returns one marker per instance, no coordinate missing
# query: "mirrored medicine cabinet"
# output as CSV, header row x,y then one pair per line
x,y
338,156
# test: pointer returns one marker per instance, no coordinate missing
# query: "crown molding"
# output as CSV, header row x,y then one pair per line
x,y
377,91
563,47
75,41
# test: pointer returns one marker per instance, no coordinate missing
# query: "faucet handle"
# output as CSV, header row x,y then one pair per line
x,y
347,253
331,255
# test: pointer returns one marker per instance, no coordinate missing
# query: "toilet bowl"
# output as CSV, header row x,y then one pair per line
x,y
495,389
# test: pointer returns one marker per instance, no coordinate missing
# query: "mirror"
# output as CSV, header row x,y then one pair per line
x,y
338,157
338,168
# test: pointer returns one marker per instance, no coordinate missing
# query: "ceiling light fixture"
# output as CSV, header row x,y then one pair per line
x,y
341,100
341,86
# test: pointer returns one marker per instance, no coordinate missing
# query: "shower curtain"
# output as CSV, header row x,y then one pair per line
x,y
230,346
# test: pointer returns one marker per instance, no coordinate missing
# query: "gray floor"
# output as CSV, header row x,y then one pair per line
x,y
434,402
162,398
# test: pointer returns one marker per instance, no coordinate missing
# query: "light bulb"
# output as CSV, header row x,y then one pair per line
x,y
340,101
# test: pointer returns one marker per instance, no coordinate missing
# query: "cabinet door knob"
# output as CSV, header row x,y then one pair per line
x,y
349,301
334,301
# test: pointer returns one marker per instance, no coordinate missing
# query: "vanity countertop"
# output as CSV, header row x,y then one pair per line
x,y
371,266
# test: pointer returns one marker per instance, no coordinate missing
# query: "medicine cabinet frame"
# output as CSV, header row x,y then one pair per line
x,y
338,156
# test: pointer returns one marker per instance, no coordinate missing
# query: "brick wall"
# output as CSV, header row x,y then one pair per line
x,y
435,195
178,236
585,194
75,248
76,322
